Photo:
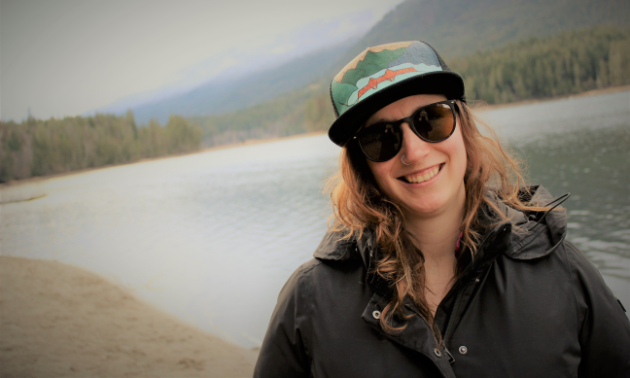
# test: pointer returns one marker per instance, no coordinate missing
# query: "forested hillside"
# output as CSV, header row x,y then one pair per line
x,y
459,28
456,28
568,63
43,147
299,112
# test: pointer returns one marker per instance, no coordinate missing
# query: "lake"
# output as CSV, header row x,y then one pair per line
x,y
212,237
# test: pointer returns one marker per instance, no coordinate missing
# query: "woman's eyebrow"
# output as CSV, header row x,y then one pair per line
x,y
380,120
383,120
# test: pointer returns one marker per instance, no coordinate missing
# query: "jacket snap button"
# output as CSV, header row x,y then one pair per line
x,y
477,280
463,350
376,314
437,352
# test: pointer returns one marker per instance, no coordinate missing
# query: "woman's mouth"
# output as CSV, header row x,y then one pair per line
x,y
422,176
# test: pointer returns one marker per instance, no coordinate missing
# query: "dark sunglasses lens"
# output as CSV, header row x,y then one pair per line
x,y
434,122
380,142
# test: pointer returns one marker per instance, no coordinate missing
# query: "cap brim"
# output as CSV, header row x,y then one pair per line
x,y
448,83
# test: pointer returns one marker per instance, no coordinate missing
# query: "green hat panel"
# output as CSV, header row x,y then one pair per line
x,y
379,67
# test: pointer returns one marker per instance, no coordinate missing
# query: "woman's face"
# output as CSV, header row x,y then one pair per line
x,y
433,182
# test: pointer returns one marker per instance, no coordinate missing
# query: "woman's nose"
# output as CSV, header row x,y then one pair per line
x,y
414,148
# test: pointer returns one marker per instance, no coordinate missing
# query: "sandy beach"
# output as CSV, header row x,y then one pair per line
x,y
58,320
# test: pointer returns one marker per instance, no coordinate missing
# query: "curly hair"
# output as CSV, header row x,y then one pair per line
x,y
358,203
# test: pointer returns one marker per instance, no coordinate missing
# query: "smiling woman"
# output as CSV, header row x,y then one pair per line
x,y
431,180
440,262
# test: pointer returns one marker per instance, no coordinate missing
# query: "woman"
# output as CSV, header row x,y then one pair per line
x,y
439,263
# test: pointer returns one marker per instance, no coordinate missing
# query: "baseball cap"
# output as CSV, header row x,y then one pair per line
x,y
384,74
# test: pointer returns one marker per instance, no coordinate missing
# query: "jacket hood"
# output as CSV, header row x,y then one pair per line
x,y
536,234
532,234
335,246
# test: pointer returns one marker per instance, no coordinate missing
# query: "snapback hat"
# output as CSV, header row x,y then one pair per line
x,y
384,74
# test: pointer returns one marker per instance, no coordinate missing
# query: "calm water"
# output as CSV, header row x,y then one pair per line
x,y
212,237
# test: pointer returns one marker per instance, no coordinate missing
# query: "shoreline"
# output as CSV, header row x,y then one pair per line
x,y
248,142
482,106
60,320
477,105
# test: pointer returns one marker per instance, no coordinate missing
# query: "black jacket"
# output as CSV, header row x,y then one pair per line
x,y
531,305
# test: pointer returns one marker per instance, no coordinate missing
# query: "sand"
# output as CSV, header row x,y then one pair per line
x,y
58,320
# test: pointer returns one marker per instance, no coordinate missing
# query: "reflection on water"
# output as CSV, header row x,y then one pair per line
x,y
212,237
594,165
582,146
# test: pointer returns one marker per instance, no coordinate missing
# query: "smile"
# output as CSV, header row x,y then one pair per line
x,y
422,176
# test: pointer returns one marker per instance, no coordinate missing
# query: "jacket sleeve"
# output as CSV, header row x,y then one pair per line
x,y
605,329
284,349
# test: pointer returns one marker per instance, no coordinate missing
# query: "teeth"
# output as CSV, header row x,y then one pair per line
x,y
425,176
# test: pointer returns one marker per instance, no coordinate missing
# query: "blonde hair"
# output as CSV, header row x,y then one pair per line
x,y
358,204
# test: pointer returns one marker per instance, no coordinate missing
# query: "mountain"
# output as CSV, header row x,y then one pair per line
x,y
456,28
461,27
535,68
225,95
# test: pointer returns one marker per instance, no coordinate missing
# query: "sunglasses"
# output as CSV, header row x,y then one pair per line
x,y
432,123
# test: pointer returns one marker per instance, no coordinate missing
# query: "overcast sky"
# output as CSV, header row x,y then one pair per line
x,y
67,57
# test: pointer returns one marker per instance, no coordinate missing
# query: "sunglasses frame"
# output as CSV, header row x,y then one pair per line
x,y
409,120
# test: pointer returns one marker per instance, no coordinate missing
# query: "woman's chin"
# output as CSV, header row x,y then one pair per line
x,y
426,208
432,204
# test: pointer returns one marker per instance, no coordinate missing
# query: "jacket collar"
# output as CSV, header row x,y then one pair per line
x,y
532,234
335,246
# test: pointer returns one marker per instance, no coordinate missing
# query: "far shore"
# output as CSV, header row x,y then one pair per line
x,y
479,106
248,142
482,106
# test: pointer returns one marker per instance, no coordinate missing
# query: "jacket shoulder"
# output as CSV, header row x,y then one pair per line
x,y
315,286
582,268
604,327
317,275
306,269
286,348
299,283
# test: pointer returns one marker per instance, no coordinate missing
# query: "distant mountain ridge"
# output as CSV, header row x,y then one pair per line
x,y
461,27
220,96
455,28
536,68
